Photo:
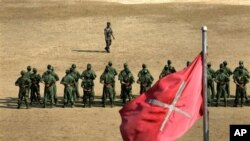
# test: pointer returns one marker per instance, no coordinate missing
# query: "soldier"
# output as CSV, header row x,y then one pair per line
x,y
107,79
54,85
221,80
211,82
113,72
240,80
108,32
145,81
24,86
29,72
35,87
168,69
48,80
88,76
48,68
229,72
209,90
68,81
77,76
126,79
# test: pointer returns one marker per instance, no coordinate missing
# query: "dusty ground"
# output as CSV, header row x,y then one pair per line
x,y
61,33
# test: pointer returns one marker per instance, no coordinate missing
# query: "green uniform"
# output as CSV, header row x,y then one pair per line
x,y
221,80
76,76
87,84
229,72
54,85
240,80
145,82
167,70
23,94
209,90
35,87
49,81
126,79
68,81
211,82
108,91
113,72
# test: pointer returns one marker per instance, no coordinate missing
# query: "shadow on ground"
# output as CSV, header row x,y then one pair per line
x,y
89,51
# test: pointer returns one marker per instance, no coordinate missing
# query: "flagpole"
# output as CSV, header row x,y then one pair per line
x,y
204,76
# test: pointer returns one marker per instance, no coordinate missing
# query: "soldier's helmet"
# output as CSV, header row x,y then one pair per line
x,y
67,71
125,65
22,72
225,63
49,66
34,70
169,62
209,64
110,63
88,66
73,66
29,68
144,66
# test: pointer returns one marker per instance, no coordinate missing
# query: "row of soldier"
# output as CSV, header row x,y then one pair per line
x,y
29,84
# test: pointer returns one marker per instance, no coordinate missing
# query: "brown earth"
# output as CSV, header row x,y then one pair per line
x,y
61,33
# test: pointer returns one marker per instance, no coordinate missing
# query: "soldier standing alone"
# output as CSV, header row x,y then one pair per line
x,y
108,32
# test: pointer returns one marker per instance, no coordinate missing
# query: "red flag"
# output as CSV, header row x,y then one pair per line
x,y
168,109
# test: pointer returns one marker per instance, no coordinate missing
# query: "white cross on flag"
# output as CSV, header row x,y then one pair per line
x,y
168,109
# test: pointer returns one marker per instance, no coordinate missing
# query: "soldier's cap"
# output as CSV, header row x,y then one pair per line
x,y
34,70
67,71
225,62
28,67
49,66
169,61
110,63
73,65
240,62
22,72
144,65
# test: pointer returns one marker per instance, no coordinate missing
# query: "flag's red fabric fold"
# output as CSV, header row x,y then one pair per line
x,y
168,109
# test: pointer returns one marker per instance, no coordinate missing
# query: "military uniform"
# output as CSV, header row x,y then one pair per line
x,y
221,80
168,69
113,72
76,76
68,81
209,90
107,79
24,86
229,72
210,84
87,84
108,32
35,87
126,79
49,81
145,81
54,84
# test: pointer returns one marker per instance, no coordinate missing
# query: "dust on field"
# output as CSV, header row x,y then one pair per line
x,y
61,33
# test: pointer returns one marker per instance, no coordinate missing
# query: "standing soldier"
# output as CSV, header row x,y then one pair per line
x,y
211,82
35,87
113,72
88,76
221,80
209,89
77,76
29,72
145,81
229,72
240,80
107,79
126,79
68,81
54,85
108,32
49,81
24,85
168,69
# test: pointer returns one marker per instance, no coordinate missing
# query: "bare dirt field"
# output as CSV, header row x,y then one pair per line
x,y
60,33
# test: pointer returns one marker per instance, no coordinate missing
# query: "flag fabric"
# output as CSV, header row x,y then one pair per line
x,y
168,109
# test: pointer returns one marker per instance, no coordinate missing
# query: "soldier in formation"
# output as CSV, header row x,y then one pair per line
x,y
168,69
145,80
68,81
49,81
76,75
229,73
35,87
210,83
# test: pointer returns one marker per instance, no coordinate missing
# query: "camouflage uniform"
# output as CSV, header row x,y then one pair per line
x,y
68,81
88,76
108,32
168,69
211,82
35,87
113,72
145,81
77,76
49,81
24,85
221,80
229,72
54,84
126,79
107,79
240,80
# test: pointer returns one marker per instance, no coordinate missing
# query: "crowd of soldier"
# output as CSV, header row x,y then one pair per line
x,y
29,84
